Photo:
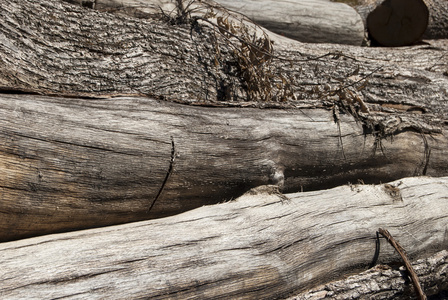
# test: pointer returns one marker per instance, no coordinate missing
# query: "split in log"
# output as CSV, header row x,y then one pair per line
x,y
259,246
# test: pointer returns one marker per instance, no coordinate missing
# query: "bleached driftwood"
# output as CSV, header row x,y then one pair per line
x,y
260,246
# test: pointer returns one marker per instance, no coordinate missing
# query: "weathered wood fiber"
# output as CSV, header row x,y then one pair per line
x,y
70,163
84,52
89,53
257,247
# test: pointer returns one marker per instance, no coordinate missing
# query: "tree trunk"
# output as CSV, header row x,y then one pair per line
x,y
260,246
69,163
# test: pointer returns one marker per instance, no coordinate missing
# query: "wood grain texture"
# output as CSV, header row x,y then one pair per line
x,y
80,51
259,246
69,163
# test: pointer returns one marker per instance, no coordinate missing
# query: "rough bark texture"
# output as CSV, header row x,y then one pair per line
x,y
70,163
384,282
438,19
262,245
86,157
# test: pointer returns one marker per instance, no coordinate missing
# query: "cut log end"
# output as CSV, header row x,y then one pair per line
x,y
397,23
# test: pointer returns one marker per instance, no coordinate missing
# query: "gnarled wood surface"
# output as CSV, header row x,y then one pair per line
x,y
257,247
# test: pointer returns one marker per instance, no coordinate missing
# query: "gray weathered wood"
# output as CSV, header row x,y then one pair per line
x,y
438,19
257,247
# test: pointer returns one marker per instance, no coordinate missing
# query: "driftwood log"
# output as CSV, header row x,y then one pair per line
x,y
317,21
398,22
260,246
70,163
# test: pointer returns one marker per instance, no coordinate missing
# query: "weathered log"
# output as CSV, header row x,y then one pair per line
x,y
311,21
70,163
79,163
438,19
317,21
262,245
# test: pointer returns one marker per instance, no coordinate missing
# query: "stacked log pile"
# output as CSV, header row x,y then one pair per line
x,y
151,113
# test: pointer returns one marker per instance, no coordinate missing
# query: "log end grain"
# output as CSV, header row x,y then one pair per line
x,y
396,23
